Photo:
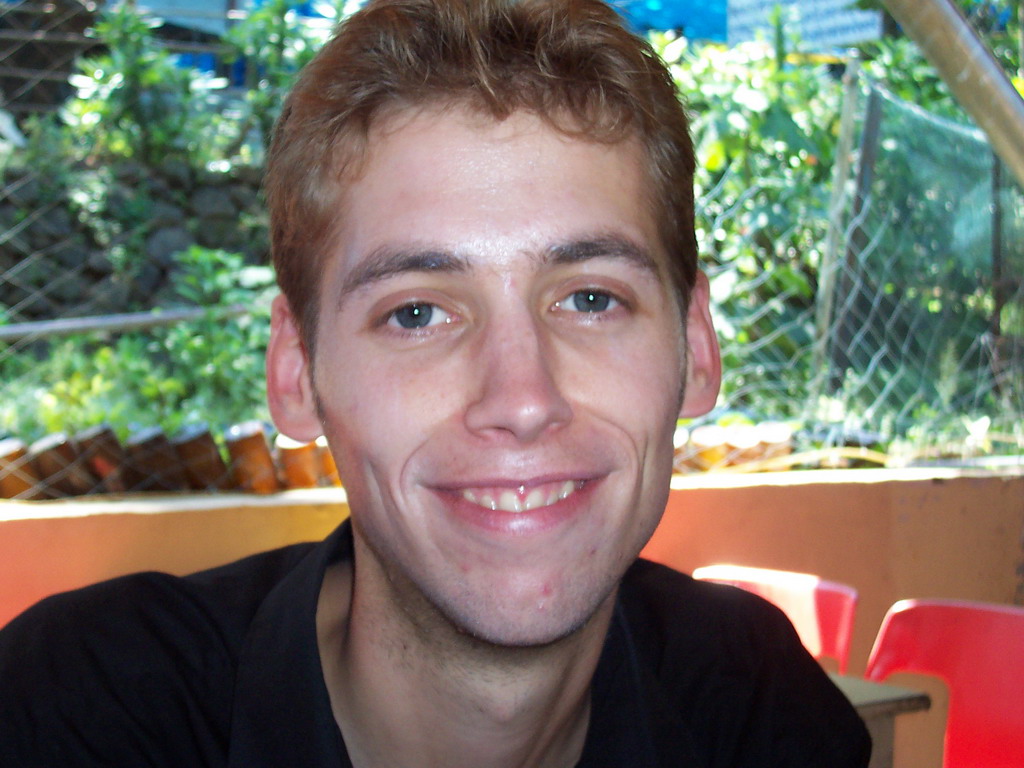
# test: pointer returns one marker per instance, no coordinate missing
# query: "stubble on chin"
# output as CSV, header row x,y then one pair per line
x,y
454,628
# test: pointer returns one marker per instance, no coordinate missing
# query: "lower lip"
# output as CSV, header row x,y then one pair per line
x,y
531,521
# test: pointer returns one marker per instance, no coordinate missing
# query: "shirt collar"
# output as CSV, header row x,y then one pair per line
x,y
631,722
282,712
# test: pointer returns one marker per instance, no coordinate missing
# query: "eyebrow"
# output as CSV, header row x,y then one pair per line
x,y
603,246
385,262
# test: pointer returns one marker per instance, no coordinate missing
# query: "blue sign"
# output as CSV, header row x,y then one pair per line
x,y
696,19
819,23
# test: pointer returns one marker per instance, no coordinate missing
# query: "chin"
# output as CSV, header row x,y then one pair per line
x,y
539,625
521,637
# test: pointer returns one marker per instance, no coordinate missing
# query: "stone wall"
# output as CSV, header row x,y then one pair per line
x,y
87,241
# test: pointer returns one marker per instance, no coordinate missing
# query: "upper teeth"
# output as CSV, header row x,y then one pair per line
x,y
519,500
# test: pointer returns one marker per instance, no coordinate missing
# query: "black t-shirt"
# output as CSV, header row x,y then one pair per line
x,y
221,669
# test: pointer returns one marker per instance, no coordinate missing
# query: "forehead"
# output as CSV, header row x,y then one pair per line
x,y
456,180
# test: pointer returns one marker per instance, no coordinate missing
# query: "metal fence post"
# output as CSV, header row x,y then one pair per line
x,y
841,172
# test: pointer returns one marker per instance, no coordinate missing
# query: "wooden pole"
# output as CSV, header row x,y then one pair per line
x,y
971,72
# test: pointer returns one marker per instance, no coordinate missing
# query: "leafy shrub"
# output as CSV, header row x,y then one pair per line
x,y
765,133
209,369
132,100
765,122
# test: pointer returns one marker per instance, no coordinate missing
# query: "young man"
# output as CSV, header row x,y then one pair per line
x,y
483,227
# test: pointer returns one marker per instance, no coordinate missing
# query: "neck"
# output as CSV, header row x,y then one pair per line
x,y
406,696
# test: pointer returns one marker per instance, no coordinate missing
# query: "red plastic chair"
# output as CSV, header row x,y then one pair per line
x,y
822,611
978,650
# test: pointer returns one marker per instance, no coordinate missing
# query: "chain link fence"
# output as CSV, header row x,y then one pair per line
x,y
133,303
39,45
926,337
906,343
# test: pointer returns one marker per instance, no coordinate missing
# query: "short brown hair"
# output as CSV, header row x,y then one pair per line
x,y
571,62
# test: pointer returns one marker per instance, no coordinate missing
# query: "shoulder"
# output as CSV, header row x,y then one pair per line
x,y
679,625
149,613
671,611
730,665
138,668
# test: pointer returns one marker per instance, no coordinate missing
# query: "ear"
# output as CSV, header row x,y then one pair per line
x,y
703,361
289,377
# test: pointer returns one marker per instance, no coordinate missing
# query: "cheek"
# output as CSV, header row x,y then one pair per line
x,y
640,382
374,412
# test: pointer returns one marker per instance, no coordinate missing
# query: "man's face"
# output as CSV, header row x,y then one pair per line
x,y
499,363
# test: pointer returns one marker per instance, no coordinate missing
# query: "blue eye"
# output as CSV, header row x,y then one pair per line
x,y
589,301
412,317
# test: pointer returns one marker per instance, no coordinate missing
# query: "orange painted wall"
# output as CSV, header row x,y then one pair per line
x,y
48,547
890,534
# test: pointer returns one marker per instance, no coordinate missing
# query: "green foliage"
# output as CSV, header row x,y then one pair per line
x,y
765,119
901,66
766,122
46,150
765,135
209,369
132,100
276,43
102,159
216,278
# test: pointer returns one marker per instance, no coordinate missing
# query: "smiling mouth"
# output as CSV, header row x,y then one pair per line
x,y
521,499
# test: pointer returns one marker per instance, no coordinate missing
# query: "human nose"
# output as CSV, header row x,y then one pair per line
x,y
518,391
